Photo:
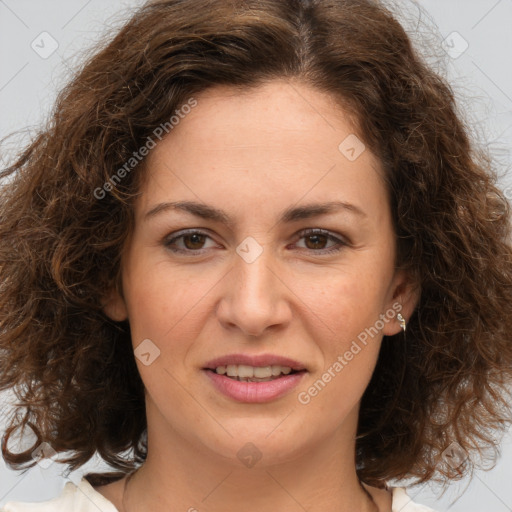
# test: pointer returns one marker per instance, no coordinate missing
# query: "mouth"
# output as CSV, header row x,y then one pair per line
x,y
254,379
246,373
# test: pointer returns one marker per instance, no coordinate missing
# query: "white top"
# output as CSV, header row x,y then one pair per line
x,y
84,498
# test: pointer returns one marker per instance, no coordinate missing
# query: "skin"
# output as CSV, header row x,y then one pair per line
x,y
253,155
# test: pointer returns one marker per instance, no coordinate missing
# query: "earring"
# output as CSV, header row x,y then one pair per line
x,y
401,321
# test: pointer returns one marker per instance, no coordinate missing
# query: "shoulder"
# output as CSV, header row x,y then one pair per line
x,y
403,503
74,498
84,498
395,499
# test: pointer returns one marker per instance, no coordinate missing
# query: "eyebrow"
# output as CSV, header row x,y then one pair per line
x,y
291,214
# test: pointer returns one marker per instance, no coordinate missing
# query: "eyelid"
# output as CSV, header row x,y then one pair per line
x,y
341,240
166,241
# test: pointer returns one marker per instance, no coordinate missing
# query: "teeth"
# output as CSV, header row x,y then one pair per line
x,y
243,371
247,372
262,372
276,370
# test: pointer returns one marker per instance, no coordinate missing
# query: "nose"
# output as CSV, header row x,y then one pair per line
x,y
255,297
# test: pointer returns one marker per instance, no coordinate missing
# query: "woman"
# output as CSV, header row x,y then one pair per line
x,y
256,246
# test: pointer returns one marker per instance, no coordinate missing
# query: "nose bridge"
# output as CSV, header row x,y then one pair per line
x,y
255,298
253,271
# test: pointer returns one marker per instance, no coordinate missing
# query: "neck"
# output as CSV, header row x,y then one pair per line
x,y
366,501
189,477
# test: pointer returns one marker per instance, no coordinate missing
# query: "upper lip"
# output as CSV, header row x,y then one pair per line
x,y
253,360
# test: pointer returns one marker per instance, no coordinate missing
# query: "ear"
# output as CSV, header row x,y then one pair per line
x,y
404,297
114,306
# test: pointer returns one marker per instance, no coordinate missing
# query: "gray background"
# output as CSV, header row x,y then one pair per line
x,y
470,41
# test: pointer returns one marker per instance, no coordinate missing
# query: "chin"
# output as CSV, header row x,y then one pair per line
x,y
261,447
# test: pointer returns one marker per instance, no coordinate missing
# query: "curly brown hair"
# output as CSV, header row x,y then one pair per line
x,y
64,223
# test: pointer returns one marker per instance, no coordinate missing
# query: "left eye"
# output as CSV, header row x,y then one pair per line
x,y
321,237
315,240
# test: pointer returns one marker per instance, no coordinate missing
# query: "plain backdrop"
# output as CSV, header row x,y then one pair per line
x,y
471,42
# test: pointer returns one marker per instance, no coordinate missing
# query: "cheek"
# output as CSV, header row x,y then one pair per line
x,y
348,308
345,301
162,301
166,313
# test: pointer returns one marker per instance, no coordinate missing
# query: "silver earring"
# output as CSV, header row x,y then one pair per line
x,y
401,321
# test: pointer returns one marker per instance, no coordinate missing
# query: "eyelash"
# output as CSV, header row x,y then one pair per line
x,y
303,234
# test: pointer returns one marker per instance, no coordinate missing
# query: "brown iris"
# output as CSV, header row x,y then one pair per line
x,y
197,240
323,239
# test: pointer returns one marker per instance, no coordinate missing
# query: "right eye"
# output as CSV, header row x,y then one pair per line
x,y
188,242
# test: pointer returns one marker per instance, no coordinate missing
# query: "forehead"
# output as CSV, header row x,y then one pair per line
x,y
281,141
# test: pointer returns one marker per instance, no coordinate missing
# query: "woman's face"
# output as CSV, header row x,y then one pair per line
x,y
242,269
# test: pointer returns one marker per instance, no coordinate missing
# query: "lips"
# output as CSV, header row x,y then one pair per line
x,y
254,390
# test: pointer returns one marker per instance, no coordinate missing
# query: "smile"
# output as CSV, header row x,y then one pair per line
x,y
248,373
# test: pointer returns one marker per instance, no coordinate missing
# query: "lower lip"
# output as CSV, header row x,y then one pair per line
x,y
255,392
